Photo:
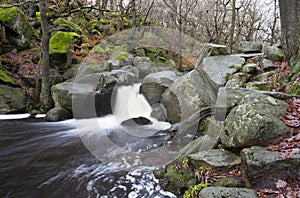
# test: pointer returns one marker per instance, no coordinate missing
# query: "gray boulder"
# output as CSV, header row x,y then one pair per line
x,y
205,142
254,121
220,192
267,65
141,121
58,114
12,100
262,167
273,53
158,112
249,47
216,158
155,84
217,68
144,66
210,49
122,57
187,95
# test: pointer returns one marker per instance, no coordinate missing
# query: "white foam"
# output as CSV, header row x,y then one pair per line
x,y
14,116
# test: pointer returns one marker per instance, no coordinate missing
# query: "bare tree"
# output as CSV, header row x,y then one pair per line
x,y
45,96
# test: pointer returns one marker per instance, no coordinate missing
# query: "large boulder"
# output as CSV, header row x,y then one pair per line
x,y
59,46
6,79
17,29
187,95
122,58
155,84
254,121
211,49
12,100
220,192
144,66
217,68
249,47
262,167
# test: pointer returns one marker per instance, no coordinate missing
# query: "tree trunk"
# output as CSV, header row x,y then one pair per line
x,y
233,17
45,96
290,26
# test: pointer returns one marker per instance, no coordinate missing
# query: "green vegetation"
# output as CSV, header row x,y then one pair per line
x,y
4,77
193,192
66,23
61,41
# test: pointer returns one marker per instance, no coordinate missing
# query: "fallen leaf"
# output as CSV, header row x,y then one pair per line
x,y
280,184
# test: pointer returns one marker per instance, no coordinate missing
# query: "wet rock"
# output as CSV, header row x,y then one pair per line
x,y
262,168
58,114
249,47
12,100
155,84
158,112
254,121
220,192
142,121
187,95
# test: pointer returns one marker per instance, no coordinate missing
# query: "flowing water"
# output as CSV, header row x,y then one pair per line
x,y
42,159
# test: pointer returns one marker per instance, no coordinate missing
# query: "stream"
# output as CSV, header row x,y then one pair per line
x,y
41,159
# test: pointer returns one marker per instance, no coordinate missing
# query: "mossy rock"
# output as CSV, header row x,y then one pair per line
x,y
6,79
15,19
69,24
98,49
12,100
263,86
60,42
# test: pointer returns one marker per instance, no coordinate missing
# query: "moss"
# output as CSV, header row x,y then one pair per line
x,y
194,191
61,41
4,77
295,89
7,15
38,16
69,24
98,49
263,86
227,182
121,56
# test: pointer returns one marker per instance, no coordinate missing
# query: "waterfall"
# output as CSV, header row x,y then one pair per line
x,y
129,103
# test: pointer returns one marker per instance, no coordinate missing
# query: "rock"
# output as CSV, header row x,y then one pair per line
x,y
124,58
90,66
268,65
137,121
265,76
58,114
249,47
60,42
217,159
187,95
116,76
131,69
249,68
144,66
254,121
155,84
217,68
6,79
18,30
203,143
237,80
273,53
59,46
264,86
262,168
112,64
70,73
62,95
220,192
158,112
12,100
211,49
